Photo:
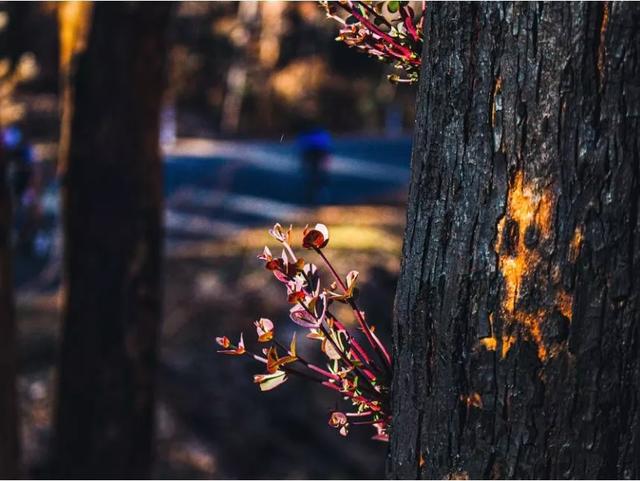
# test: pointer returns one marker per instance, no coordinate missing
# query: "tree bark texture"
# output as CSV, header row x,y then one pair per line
x,y
9,442
517,311
112,194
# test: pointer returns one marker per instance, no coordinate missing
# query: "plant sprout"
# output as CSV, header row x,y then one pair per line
x,y
392,31
358,364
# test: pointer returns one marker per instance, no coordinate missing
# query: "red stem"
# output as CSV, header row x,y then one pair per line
x,y
343,355
307,364
404,52
355,397
374,341
346,359
357,348
356,345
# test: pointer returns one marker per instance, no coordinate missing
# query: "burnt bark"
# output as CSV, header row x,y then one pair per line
x,y
9,442
112,204
517,311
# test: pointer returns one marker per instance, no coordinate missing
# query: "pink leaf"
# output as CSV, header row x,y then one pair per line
x,y
301,317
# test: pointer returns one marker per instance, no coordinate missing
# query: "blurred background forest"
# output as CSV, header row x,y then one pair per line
x,y
243,80
236,69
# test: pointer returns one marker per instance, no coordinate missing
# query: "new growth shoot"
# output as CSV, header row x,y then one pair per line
x,y
391,31
358,364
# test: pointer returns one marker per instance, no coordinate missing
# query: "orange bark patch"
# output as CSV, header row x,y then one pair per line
x,y
472,400
575,245
507,342
564,302
528,208
523,231
601,43
490,343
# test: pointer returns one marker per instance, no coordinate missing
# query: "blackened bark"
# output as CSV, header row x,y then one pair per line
x,y
112,188
9,443
518,307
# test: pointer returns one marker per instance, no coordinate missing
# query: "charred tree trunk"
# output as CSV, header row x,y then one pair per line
x,y
112,188
518,308
9,444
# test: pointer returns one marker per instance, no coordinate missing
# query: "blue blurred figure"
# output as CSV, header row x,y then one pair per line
x,y
315,146
20,160
19,156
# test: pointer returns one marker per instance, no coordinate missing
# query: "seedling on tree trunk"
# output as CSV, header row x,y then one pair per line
x,y
359,365
392,31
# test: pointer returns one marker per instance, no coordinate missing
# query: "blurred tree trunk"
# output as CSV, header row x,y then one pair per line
x,y
9,444
517,317
10,112
112,202
247,19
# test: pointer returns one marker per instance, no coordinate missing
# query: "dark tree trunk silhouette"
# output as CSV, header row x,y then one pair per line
x,y
112,195
9,444
10,51
517,313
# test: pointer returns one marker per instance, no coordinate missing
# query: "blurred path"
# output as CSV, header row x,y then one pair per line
x,y
217,188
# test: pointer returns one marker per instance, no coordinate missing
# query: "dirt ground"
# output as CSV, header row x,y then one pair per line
x,y
212,421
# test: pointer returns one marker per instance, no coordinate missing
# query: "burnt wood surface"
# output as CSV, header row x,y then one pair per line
x,y
516,340
112,197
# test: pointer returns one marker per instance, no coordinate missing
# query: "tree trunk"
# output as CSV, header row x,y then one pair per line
x,y
9,444
518,306
112,195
